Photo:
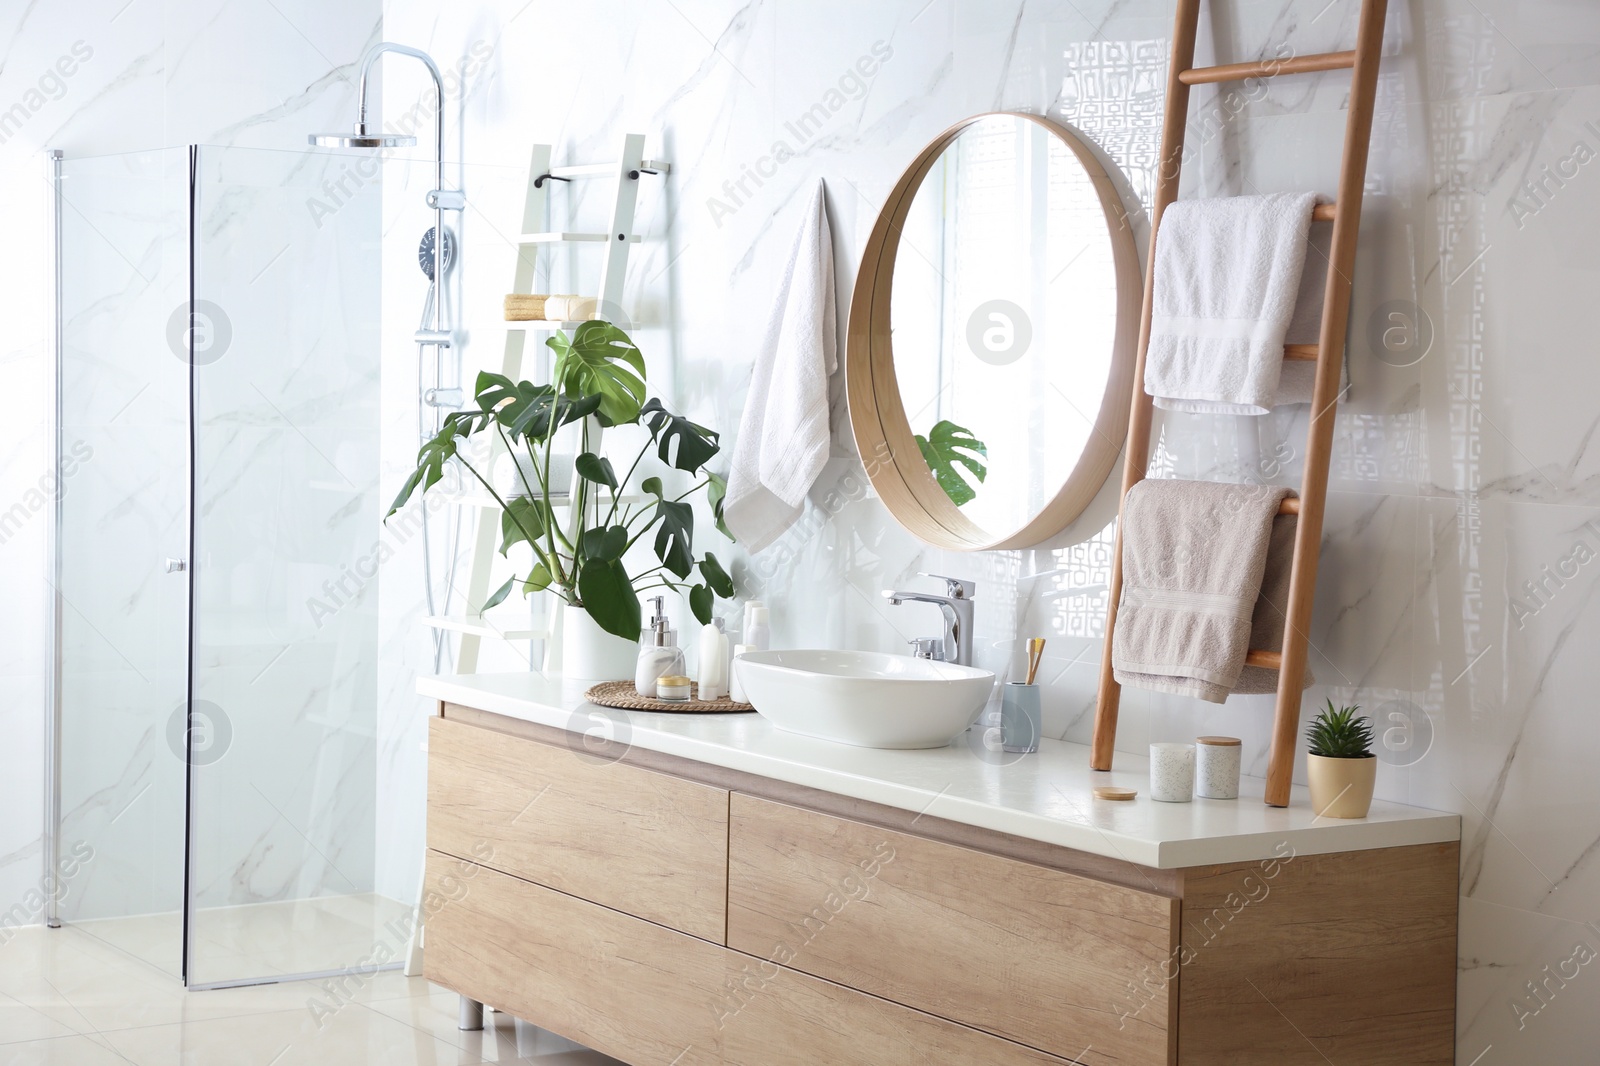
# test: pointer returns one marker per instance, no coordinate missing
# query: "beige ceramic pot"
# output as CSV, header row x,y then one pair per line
x,y
1341,788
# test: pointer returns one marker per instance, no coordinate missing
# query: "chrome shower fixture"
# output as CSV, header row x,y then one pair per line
x,y
439,198
435,255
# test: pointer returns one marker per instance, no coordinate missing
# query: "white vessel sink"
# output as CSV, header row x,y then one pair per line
x,y
864,698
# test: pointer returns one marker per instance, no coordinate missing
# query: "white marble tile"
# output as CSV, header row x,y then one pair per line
x,y
1503,623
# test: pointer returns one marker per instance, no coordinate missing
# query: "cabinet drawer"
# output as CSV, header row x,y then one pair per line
x,y
654,997
1033,954
650,844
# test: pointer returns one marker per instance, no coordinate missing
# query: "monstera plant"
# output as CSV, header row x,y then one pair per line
x,y
947,445
598,379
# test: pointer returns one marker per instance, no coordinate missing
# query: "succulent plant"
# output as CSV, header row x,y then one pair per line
x,y
1339,734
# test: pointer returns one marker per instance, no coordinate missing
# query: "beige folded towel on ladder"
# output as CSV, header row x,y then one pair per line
x,y
1268,624
1194,558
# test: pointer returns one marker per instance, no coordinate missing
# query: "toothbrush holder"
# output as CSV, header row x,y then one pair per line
x,y
1021,721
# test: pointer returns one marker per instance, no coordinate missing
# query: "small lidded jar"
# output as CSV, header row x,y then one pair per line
x,y
1217,767
673,688
1172,773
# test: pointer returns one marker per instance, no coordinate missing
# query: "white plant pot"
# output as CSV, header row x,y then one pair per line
x,y
590,653
514,475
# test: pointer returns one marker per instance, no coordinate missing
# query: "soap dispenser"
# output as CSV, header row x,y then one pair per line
x,y
659,654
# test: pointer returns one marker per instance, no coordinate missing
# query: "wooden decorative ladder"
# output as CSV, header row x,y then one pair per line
x,y
1328,353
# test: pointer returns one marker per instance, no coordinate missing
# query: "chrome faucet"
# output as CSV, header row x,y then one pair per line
x,y
956,606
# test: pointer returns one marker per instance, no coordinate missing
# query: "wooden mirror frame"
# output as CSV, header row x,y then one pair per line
x,y
877,415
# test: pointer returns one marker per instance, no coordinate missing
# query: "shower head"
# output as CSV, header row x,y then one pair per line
x,y
361,137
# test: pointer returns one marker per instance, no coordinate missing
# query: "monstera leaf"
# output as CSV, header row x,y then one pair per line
x,y
948,445
608,596
437,451
601,360
695,443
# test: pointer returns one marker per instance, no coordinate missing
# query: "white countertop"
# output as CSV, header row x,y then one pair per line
x,y
1044,796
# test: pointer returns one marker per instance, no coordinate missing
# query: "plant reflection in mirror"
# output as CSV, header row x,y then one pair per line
x,y
598,380
946,445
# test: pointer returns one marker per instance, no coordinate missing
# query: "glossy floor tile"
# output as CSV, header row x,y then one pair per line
x,y
75,998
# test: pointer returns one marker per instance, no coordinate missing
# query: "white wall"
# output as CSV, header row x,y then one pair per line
x,y
138,76
1457,479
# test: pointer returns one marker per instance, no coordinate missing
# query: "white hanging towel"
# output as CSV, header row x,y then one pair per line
x,y
1226,281
783,434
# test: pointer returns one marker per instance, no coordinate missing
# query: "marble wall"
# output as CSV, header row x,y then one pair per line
x,y
1458,579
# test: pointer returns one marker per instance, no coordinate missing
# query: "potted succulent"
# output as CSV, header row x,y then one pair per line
x,y
580,531
1340,763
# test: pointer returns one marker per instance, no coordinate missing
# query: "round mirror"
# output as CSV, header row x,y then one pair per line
x,y
992,335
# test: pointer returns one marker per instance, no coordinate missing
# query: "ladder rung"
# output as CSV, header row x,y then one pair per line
x,y
1300,353
1272,660
561,237
1290,505
1324,212
591,170
1269,68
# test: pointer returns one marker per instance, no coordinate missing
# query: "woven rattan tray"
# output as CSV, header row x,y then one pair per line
x,y
623,695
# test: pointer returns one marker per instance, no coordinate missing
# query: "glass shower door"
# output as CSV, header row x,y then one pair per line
x,y
123,486
283,817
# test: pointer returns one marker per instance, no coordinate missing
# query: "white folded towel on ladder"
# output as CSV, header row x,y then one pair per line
x,y
1227,276
784,435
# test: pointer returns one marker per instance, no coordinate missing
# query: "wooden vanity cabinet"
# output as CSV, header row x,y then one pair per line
x,y
668,912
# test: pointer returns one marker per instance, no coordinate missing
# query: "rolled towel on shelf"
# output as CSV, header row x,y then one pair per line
x,y
1226,283
537,307
525,307
570,308
1194,558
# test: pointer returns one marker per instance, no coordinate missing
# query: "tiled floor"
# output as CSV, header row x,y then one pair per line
x,y
69,998
280,938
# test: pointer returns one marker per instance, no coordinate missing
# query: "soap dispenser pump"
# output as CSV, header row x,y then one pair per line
x,y
659,654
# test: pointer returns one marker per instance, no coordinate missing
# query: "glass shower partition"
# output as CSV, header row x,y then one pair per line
x,y
123,646
218,544
283,760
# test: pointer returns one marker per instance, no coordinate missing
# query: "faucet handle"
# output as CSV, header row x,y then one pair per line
x,y
954,587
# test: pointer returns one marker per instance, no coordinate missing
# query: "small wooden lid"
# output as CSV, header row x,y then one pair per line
x,y
1112,792
1220,742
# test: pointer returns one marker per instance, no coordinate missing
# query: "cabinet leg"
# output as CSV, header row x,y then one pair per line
x,y
470,1016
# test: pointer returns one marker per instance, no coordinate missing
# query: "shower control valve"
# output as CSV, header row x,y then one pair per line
x,y
454,398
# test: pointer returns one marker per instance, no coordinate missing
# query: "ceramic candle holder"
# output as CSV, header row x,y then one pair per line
x,y
1217,761
1172,772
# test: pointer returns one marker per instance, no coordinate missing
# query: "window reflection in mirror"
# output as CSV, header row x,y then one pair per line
x,y
1004,317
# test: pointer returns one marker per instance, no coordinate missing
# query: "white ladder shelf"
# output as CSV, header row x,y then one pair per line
x,y
471,626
